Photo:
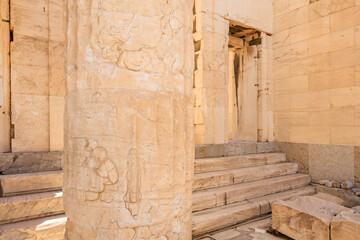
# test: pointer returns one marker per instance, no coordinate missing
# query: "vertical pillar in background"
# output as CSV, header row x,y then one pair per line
x,y
211,74
4,77
129,147
265,99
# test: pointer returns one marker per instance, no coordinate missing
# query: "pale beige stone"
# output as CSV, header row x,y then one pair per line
x,y
225,216
47,228
129,120
14,163
18,184
37,67
347,184
231,162
217,218
235,193
228,177
19,208
304,217
5,84
346,225
330,198
30,116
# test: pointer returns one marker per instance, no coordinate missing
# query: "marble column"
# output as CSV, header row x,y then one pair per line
x,y
129,146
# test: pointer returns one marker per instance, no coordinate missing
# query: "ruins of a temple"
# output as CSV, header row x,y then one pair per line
x,y
179,119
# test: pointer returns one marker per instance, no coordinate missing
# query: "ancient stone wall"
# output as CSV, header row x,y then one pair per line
x,y
317,71
37,76
129,149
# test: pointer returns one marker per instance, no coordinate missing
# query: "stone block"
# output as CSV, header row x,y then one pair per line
x,y
29,80
239,192
351,200
29,20
233,162
346,225
18,184
323,8
333,162
304,217
310,29
208,151
57,108
19,208
330,198
13,163
30,116
343,19
240,148
36,51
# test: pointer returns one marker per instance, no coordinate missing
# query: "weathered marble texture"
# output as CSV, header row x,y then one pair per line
x,y
14,163
128,163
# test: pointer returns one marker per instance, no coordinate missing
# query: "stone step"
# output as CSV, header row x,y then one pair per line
x,y
227,177
30,206
225,163
17,184
221,217
220,196
51,228
255,229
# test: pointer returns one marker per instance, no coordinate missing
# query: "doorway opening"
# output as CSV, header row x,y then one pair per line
x,y
248,118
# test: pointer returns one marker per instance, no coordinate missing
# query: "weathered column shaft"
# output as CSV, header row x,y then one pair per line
x,y
128,163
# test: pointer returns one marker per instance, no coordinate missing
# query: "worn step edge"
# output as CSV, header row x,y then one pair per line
x,y
215,197
227,177
52,227
30,206
210,220
17,184
225,163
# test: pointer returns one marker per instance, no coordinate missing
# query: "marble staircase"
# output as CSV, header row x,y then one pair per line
x,y
229,190
31,205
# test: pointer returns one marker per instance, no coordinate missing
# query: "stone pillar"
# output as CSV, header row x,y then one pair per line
x,y
211,73
129,145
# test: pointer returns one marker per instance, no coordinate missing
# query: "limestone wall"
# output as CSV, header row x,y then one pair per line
x,y
317,71
37,76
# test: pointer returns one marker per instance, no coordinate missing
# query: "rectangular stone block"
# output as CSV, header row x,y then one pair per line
x,y
18,184
304,217
30,116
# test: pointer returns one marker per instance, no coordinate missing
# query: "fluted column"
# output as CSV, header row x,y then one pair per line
x,y
128,162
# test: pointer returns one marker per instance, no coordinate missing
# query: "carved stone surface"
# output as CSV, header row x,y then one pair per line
x,y
128,156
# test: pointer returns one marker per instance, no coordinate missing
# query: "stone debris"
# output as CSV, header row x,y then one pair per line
x,y
323,182
328,183
336,185
356,191
347,184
